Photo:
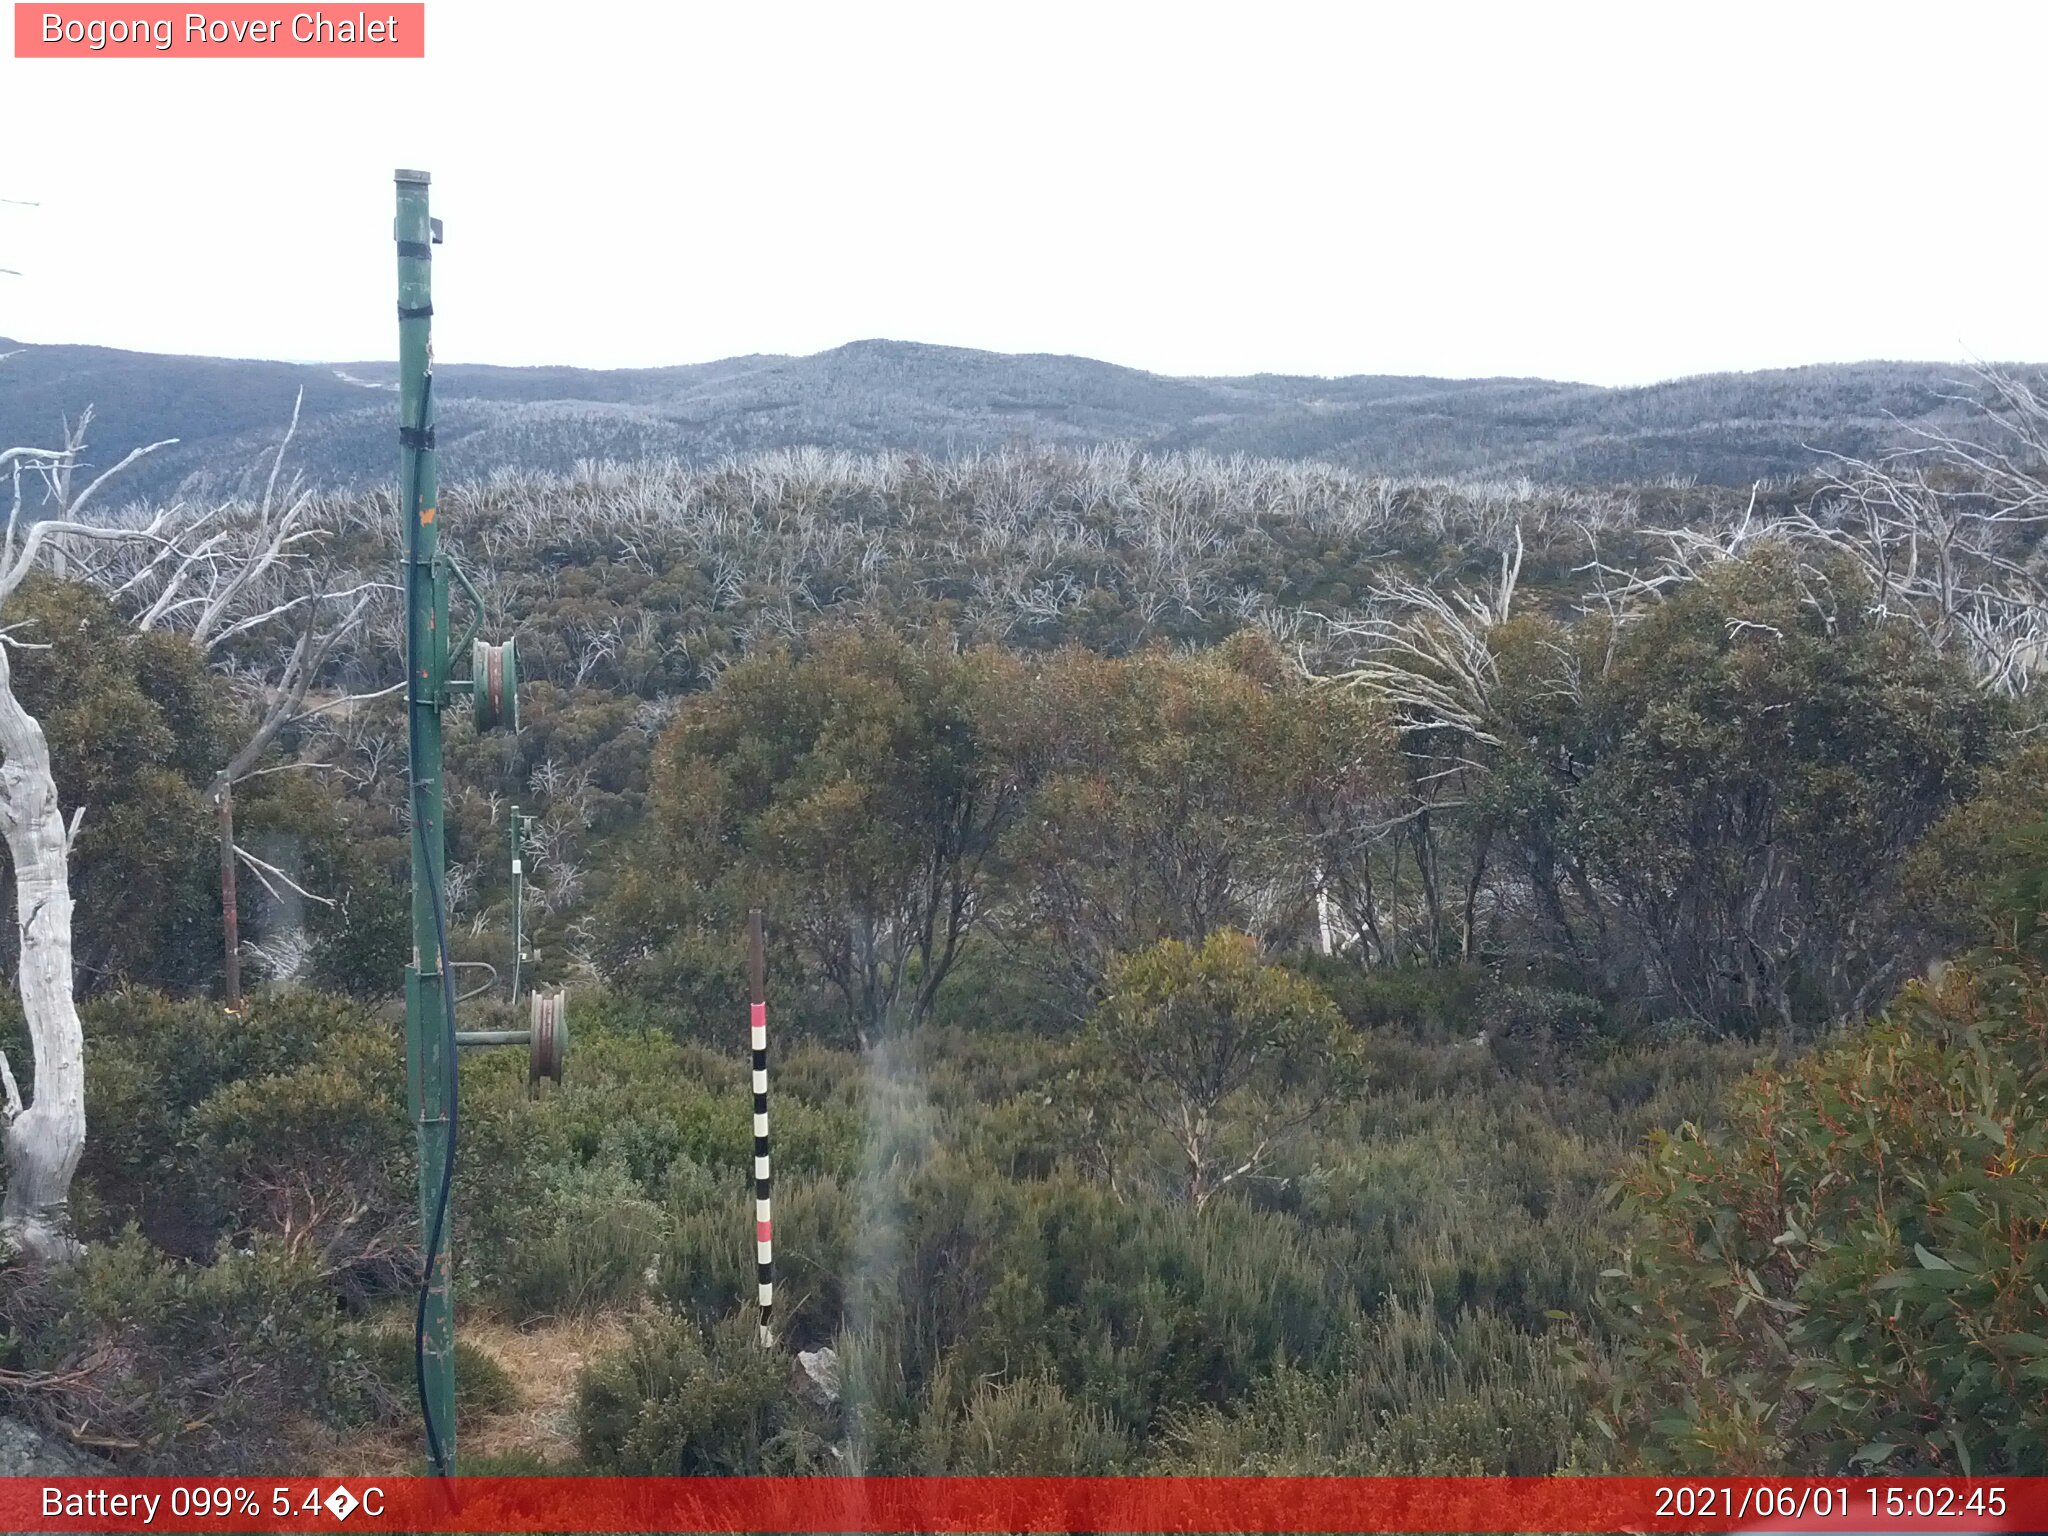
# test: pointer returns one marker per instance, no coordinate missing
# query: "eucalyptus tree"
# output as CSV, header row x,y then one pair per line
x,y
1746,781
1161,804
858,791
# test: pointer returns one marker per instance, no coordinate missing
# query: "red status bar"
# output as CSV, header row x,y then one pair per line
x,y
1026,1504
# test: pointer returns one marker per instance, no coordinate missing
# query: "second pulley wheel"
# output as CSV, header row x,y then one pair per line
x,y
496,668
548,1039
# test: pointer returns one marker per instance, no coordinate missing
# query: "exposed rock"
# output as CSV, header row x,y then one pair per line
x,y
26,1453
815,1377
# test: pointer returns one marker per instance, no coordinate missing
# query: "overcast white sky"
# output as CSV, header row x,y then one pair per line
x,y
1608,193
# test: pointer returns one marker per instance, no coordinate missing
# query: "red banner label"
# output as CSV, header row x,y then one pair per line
x,y
230,31
1027,1504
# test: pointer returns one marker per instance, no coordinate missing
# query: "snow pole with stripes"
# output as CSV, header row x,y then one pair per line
x,y
764,1239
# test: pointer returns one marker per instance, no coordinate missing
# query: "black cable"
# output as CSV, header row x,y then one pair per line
x,y
435,1452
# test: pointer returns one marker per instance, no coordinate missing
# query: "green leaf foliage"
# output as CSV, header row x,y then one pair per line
x,y
1853,1274
858,789
1220,1055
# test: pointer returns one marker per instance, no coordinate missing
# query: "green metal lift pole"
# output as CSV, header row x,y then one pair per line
x,y
430,1065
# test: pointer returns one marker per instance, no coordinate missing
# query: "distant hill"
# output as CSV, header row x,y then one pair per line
x,y
887,395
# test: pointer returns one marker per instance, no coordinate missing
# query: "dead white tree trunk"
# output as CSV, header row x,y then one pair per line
x,y
45,1140
45,1137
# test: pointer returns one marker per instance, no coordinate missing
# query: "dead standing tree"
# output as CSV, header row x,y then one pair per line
x,y
261,592
44,1139
1948,531
1428,656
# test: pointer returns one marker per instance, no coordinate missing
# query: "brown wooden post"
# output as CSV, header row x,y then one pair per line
x,y
231,923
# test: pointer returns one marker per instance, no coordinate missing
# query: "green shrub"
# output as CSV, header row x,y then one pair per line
x,y
993,985
589,1244
1203,1061
321,1155
1962,875
152,1063
817,1076
560,1191
1427,1002
1855,1272
996,1302
1025,1137
641,1101
677,1400
1414,1393
1532,1028
707,1267
482,1385
1642,1087
1021,1428
179,1366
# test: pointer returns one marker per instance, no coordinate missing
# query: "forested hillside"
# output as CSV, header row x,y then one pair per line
x,y
1275,967
884,396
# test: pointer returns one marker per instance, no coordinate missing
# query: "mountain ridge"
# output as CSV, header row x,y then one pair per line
x,y
878,395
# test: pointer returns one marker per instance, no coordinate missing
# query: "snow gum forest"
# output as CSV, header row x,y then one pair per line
x,y
1271,967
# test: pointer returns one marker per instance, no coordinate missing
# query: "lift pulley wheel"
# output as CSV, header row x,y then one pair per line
x,y
496,669
548,1040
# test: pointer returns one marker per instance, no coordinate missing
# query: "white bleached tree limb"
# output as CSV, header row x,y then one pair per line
x,y
45,1140
266,872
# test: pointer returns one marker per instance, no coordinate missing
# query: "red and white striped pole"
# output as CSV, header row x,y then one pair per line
x,y
764,1241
